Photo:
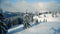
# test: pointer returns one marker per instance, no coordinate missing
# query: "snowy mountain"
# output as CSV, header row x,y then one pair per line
x,y
47,17
52,26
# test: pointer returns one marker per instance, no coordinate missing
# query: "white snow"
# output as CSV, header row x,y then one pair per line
x,y
48,17
41,28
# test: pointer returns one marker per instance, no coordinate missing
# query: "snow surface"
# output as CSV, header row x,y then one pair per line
x,y
42,28
50,27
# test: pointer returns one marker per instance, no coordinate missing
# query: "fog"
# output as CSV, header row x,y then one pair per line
x,y
25,6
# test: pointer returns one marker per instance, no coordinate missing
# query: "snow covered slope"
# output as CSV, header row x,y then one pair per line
x,y
50,27
42,28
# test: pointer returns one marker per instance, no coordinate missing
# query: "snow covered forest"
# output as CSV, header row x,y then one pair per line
x,y
31,23
29,16
45,25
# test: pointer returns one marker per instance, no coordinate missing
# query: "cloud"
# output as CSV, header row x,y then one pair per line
x,y
52,6
19,6
22,5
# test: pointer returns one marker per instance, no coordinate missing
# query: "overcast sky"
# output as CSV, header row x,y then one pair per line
x,y
30,5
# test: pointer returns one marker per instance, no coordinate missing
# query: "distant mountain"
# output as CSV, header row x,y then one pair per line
x,y
9,14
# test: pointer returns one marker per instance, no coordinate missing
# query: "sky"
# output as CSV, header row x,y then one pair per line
x,y
30,5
